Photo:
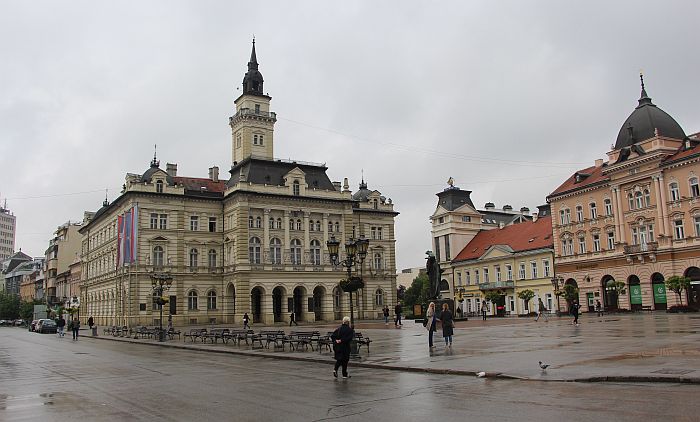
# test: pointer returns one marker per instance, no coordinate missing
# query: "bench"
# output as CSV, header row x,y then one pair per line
x,y
194,334
297,339
239,335
325,341
215,334
268,336
362,341
646,308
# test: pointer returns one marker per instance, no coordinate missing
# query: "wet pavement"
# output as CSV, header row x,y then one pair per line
x,y
656,347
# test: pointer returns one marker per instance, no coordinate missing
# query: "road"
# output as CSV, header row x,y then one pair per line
x,y
46,378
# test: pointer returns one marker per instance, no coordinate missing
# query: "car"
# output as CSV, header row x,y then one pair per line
x,y
46,326
32,326
19,323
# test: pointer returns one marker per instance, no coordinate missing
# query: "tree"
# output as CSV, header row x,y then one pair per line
x,y
417,293
9,306
569,292
677,284
493,296
526,295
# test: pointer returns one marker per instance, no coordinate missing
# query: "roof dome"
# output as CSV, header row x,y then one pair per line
x,y
362,193
645,121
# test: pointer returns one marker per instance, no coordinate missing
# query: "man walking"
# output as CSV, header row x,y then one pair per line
x,y
397,311
541,310
342,337
60,324
385,312
574,311
293,319
76,327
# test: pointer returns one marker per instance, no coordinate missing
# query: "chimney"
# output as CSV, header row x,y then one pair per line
x,y
336,185
525,211
214,174
171,169
599,162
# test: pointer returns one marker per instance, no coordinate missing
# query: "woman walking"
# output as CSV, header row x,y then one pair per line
x,y
484,308
342,337
431,322
447,324
246,321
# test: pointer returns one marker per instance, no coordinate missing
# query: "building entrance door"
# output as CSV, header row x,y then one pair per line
x,y
590,301
658,291
277,294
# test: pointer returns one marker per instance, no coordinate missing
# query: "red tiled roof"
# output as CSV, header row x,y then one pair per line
x,y
595,175
682,154
196,184
520,237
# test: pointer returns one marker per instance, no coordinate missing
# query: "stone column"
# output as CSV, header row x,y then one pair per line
x,y
660,223
664,208
287,241
307,239
620,218
616,213
266,311
266,230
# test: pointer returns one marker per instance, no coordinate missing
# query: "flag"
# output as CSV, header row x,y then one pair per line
x,y
120,238
127,236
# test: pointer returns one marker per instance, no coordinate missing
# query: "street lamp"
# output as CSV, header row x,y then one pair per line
x,y
355,252
556,282
160,282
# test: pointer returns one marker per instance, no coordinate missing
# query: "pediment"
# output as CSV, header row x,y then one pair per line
x,y
295,173
496,251
159,239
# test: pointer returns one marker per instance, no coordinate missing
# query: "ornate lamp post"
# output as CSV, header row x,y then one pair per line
x,y
557,281
355,252
160,282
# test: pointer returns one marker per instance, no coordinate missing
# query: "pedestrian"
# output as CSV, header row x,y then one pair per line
x,y
246,320
75,327
60,324
397,312
293,319
574,311
342,337
541,310
170,323
91,322
598,307
448,324
430,323
484,308
385,311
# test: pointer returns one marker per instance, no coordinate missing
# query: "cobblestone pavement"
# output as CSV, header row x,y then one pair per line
x,y
656,347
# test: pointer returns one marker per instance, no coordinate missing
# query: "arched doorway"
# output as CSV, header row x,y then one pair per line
x,y
610,293
693,293
319,293
570,292
298,302
230,303
659,291
635,291
278,293
256,303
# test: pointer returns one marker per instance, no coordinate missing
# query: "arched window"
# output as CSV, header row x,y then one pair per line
x,y
330,227
254,250
579,213
295,251
250,221
379,298
594,210
291,224
318,226
212,258
315,252
675,194
630,199
299,225
336,299
211,300
159,186
377,261
694,188
158,256
194,257
647,198
271,223
608,207
638,200
276,251
192,304
279,223
258,222
337,227
295,188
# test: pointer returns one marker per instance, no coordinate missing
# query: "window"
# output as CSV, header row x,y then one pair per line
x,y
376,232
608,207
579,213
678,229
291,224
638,200
163,221
378,298
300,226
251,221
255,139
254,250
336,298
318,226
279,223
466,219
497,269
315,252
194,223
533,269
212,258
647,198
581,245
697,226
565,216
611,241
154,221
154,298
258,222
211,300
459,279
596,243
192,301
468,278
271,223
337,227
486,275
509,272
295,251
694,188
476,277
675,195
276,251
159,186
567,247
260,139
630,198
330,227
594,210
377,261
158,256
545,265
212,224
295,188
194,256
522,271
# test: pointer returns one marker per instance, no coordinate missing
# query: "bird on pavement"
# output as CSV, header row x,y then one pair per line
x,y
481,374
544,366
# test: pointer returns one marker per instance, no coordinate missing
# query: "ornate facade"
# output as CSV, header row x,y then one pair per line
x,y
254,243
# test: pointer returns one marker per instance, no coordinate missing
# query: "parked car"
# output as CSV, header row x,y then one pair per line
x,y
19,323
32,326
46,326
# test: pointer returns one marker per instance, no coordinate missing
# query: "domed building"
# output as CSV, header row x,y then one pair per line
x,y
253,242
624,225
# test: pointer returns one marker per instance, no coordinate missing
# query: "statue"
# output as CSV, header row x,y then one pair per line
x,y
432,267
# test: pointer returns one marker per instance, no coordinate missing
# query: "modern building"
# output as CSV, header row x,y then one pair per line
x,y
8,226
632,218
254,242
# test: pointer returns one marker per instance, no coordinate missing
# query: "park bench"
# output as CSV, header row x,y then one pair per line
x,y
215,334
240,335
194,334
362,340
268,336
325,342
171,333
297,339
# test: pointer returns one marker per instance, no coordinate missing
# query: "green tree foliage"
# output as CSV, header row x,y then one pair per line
x,y
9,306
619,286
400,291
417,293
526,295
569,292
677,284
493,296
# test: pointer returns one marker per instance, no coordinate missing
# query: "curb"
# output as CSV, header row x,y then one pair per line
x,y
491,375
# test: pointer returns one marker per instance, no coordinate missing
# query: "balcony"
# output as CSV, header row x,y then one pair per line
x,y
496,285
649,247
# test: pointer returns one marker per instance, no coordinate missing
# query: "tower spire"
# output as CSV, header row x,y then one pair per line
x,y
253,63
155,162
643,98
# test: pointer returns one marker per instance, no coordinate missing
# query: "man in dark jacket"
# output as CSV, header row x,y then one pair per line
x,y
342,338
60,324
397,311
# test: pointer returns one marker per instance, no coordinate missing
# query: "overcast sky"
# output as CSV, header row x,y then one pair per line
x,y
508,97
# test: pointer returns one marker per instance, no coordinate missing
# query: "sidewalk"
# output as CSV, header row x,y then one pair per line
x,y
655,347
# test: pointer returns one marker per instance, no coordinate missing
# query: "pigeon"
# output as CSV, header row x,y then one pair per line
x,y
481,374
544,366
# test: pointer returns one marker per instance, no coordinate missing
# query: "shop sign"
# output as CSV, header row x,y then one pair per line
x,y
659,293
636,294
